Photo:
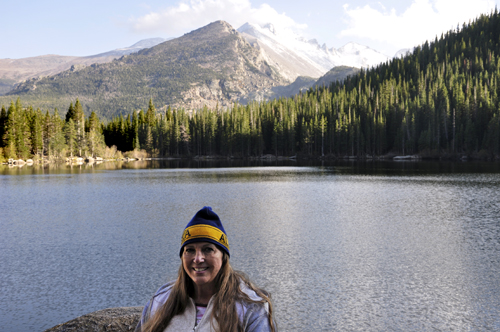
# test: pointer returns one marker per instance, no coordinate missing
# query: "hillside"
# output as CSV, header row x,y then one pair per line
x,y
15,71
336,74
210,66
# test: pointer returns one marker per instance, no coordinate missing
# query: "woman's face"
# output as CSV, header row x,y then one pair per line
x,y
202,262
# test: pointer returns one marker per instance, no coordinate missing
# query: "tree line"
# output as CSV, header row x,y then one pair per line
x,y
29,133
441,99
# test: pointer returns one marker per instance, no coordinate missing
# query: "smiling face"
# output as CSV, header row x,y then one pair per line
x,y
202,262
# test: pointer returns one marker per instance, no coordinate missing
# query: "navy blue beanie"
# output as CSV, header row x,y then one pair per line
x,y
205,227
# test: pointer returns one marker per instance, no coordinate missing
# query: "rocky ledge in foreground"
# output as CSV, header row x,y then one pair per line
x,y
109,320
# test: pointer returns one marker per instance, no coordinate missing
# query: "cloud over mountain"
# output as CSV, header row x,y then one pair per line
x,y
191,14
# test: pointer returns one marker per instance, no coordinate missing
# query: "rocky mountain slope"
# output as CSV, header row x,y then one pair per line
x,y
213,65
336,74
14,71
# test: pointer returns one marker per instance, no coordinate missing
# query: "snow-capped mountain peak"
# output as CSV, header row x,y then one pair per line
x,y
318,58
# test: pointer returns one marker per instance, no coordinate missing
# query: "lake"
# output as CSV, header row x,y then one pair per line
x,y
342,246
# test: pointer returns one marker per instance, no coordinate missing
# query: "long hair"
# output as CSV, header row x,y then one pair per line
x,y
227,283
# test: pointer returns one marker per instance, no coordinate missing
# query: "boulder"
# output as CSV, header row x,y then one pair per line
x,y
402,158
109,320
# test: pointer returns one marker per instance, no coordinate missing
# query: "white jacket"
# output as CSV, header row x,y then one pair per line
x,y
253,316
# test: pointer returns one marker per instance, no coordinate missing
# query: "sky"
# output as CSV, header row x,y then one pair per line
x,y
78,28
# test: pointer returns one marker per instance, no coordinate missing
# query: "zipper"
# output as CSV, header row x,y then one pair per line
x,y
195,314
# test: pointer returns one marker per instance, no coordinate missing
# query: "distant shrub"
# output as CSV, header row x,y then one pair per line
x,y
111,153
483,154
2,157
137,154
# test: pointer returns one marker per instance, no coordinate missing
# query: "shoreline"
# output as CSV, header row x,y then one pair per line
x,y
76,161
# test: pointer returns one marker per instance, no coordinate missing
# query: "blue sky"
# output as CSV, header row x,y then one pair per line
x,y
31,28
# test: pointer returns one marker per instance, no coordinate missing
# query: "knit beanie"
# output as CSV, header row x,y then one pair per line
x,y
205,227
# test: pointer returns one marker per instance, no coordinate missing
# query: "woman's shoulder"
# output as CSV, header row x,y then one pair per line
x,y
253,315
156,301
162,293
253,306
245,288
166,288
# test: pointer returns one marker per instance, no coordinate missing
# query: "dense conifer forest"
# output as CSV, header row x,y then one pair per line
x,y
440,100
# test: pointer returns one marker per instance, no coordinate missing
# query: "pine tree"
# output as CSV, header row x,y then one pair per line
x,y
10,132
22,131
135,126
79,120
3,123
36,133
71,136
70,114
57,140
95,139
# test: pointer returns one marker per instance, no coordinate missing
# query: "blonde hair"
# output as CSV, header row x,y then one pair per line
x,y
224,311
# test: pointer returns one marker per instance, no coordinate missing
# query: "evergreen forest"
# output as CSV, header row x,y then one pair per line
x,y
439,100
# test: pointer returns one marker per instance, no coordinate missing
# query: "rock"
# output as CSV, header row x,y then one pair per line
x,y
109,320
402,158
89,159
268,157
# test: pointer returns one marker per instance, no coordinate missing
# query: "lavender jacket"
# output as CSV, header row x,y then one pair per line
x,y
253,316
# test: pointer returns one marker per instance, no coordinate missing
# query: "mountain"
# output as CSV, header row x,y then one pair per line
x,y
295,56
404,51
213,65
336,74
14,71
301,83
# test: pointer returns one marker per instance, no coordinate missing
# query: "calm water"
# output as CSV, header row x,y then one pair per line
x,y
341,247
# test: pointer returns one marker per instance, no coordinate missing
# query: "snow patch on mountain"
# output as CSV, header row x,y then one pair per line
x,y
287,43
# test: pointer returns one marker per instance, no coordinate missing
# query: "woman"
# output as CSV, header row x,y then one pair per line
x,y
208,294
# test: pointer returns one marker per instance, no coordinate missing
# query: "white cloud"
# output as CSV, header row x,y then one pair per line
x,y
421,21
188,15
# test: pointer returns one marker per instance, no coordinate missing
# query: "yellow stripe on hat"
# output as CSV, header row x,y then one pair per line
x,y
205,231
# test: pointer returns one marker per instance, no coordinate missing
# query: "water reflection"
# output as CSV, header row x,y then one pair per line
x,y
340,167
